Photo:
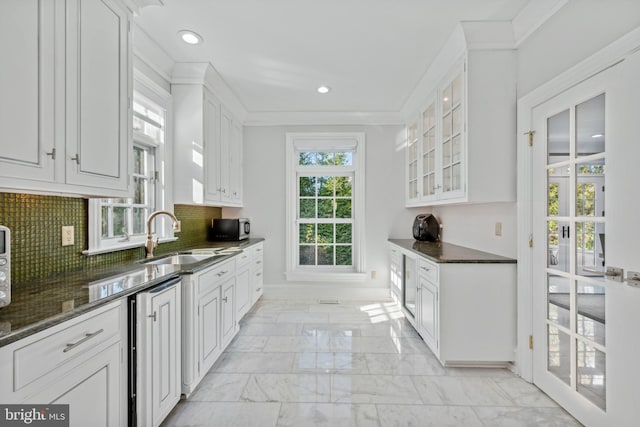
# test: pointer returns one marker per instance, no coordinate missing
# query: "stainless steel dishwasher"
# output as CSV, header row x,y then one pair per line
x,y
154,353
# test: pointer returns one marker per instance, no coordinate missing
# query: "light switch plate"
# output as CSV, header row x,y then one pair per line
x,y
498,229
68,235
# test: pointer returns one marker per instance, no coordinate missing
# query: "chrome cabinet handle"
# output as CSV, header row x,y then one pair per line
x,y
76,158
258,262
222,273
425,268
153,316
258,290
258,274
225,299
87,337
52,154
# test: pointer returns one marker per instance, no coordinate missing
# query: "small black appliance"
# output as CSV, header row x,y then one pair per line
x,y
232,229
426,228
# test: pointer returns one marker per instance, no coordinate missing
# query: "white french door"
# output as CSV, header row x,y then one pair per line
x,y
569,288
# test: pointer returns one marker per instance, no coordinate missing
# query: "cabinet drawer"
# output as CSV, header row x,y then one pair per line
x,y
209,280
428,270
257,281
243,259
255,250
38,358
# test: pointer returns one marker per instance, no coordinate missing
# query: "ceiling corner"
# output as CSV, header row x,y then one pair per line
x,y
533,16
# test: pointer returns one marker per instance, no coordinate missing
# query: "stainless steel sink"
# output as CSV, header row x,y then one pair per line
x,y
184,258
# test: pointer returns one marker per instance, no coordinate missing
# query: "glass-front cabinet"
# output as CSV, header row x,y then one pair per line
x,y
429,185
412,162
465,127
435,145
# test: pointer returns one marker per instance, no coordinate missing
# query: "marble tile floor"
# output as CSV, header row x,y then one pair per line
x,y
351,364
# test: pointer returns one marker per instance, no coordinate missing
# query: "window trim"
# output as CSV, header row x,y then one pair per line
x,y
164,167
325,141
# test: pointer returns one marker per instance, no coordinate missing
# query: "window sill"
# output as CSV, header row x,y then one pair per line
x,y
122,247
297,276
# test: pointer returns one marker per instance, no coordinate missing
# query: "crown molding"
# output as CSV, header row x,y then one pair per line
x,y
135,5
203,73
310,118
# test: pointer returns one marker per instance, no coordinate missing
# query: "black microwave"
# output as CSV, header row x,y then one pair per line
x,y
228,229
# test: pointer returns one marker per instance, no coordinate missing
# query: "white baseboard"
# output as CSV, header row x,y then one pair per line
x,y
313,292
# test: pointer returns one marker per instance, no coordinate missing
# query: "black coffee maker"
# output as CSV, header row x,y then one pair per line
x,y
426,228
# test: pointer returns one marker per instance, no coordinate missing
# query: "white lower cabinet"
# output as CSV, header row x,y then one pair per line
x,y
464,312
229,324
395,273
158,357
243,284
428,313
257,271
79,362
90,390
205,319
209,342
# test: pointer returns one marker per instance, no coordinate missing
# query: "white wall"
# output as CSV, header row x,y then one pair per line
x,y
575,32
264,194
473,226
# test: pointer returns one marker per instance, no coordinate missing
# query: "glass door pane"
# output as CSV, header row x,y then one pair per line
x,y
452,128
575,229
429,150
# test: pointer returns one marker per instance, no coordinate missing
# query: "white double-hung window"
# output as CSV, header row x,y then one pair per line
x,y
119,223
325,206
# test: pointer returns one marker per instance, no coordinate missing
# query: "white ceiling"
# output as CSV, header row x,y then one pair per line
x,y
273,54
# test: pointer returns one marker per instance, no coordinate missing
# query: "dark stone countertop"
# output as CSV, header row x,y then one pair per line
x,y
443,253
38,305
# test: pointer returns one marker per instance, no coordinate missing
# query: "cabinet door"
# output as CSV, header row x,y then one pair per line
x,y
452,125
427,154
413,192
243,292
93,391
159,382
27,88
428,314
212,148
235,173
395,273
97,94
226,129
209,337
228,311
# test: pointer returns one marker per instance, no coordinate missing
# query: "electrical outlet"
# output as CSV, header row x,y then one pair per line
x,y
373,275
67,235
498,229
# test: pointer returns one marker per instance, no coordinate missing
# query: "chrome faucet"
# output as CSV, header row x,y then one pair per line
x,y
150,245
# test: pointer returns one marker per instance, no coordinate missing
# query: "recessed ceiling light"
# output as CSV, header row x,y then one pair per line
x,y
597,135
324,89
190,37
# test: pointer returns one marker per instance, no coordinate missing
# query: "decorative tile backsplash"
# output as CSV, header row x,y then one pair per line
x,y
36,232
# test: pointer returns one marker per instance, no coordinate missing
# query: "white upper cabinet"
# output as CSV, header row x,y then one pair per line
x,y
65,87
98,94
26,85
461,122
208,141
